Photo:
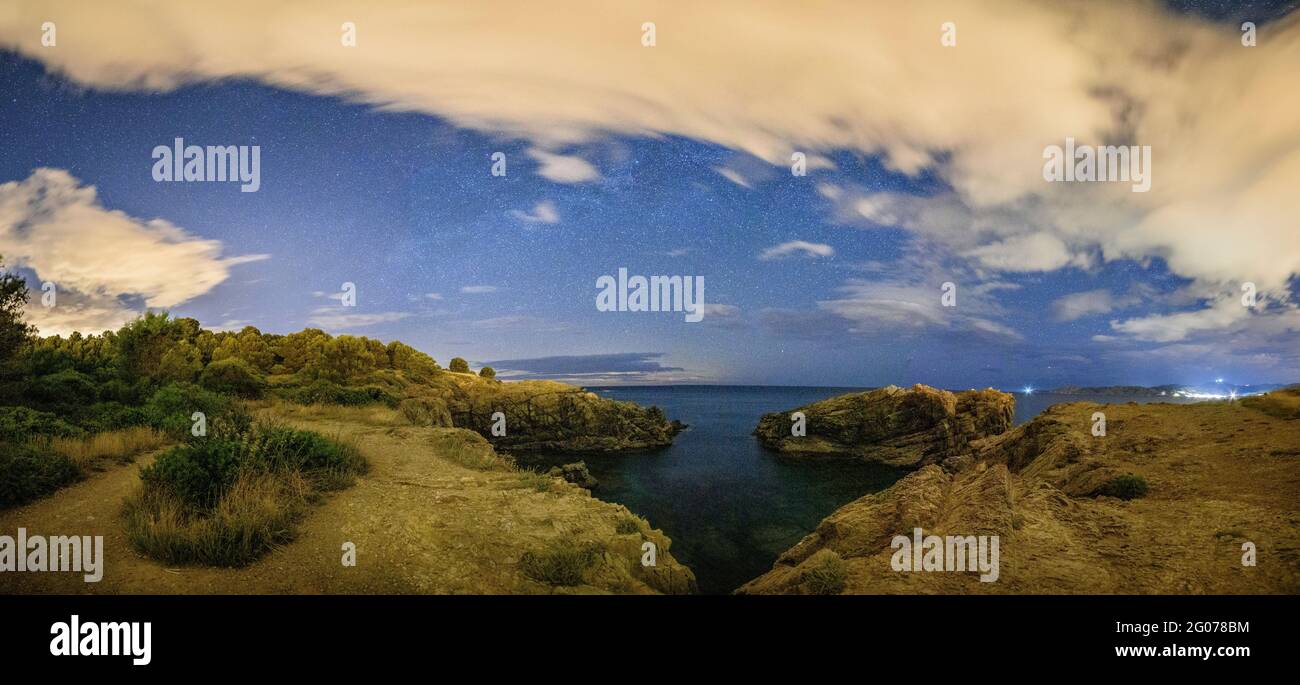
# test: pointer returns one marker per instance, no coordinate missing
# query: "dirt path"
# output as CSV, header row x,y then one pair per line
x,y
421,523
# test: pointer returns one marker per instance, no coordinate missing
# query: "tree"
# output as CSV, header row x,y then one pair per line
x,y
14,333
459,365
181,363
487,372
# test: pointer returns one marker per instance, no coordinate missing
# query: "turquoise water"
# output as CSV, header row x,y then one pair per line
x,y
730,506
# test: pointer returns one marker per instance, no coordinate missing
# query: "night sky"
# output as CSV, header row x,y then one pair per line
x,y
502,271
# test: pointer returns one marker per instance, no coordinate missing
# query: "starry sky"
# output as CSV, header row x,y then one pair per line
x,y
830,278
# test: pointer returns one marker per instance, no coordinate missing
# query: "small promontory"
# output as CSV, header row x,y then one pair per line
x,y
901,427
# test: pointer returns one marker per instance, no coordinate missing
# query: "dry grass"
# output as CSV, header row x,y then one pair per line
x,y
369,415
255,515
1282,404
120,446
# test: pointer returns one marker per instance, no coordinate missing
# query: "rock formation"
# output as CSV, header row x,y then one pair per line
x,y
1223,482
539,415
575,473
908,428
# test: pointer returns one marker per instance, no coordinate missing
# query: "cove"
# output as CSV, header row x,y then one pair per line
x,y
730,506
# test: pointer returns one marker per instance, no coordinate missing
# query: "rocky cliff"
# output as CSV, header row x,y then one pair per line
x,y
1167,499
538,415
909,428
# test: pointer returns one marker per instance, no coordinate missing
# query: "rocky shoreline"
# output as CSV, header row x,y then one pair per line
x,y
1214,513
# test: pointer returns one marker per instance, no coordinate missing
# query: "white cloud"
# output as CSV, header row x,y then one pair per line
x,y
799,247
1220,119
97,257
478,289
1078,305
733,176
563,168
1032,252
544,212
433,296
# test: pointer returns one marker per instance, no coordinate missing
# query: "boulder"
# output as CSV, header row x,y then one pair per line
x,y
575,473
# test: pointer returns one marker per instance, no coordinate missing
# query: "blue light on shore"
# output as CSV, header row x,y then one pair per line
x,y
1028,390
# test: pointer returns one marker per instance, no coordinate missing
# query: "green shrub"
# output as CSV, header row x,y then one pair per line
x,y
824,574
28,472
487,372
322,391
197,473
1125,487
561,563
627,525
65,387
458,365
19,424
232,376
170,408
111,416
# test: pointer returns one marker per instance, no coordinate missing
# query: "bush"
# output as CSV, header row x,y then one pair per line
x,y
824,574
170,408
561,563
232,376
1125,487
197,474
19,424
227,499
28,472
111,416
458,365
257,514
322,391
65,387
487,372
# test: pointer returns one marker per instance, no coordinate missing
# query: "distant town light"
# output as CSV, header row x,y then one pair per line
x,y
1028,390
1218,380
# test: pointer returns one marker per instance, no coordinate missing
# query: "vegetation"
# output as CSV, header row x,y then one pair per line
x,y
1125,487
824,574
227,499
562,562
68,404
1282,404
487,372
458,365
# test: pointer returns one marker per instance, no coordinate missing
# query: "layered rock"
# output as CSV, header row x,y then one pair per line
x,y
1220,474
909,428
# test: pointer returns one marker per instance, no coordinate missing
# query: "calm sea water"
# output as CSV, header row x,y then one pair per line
x,y
730,506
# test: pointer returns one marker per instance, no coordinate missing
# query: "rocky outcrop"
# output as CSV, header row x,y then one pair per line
x,y
909,428
575,473
541,415
1219,477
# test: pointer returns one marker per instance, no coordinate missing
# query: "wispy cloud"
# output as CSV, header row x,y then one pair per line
x,y
544,212
797,247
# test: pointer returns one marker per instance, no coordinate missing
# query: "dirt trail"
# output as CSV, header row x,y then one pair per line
x,y
421,523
